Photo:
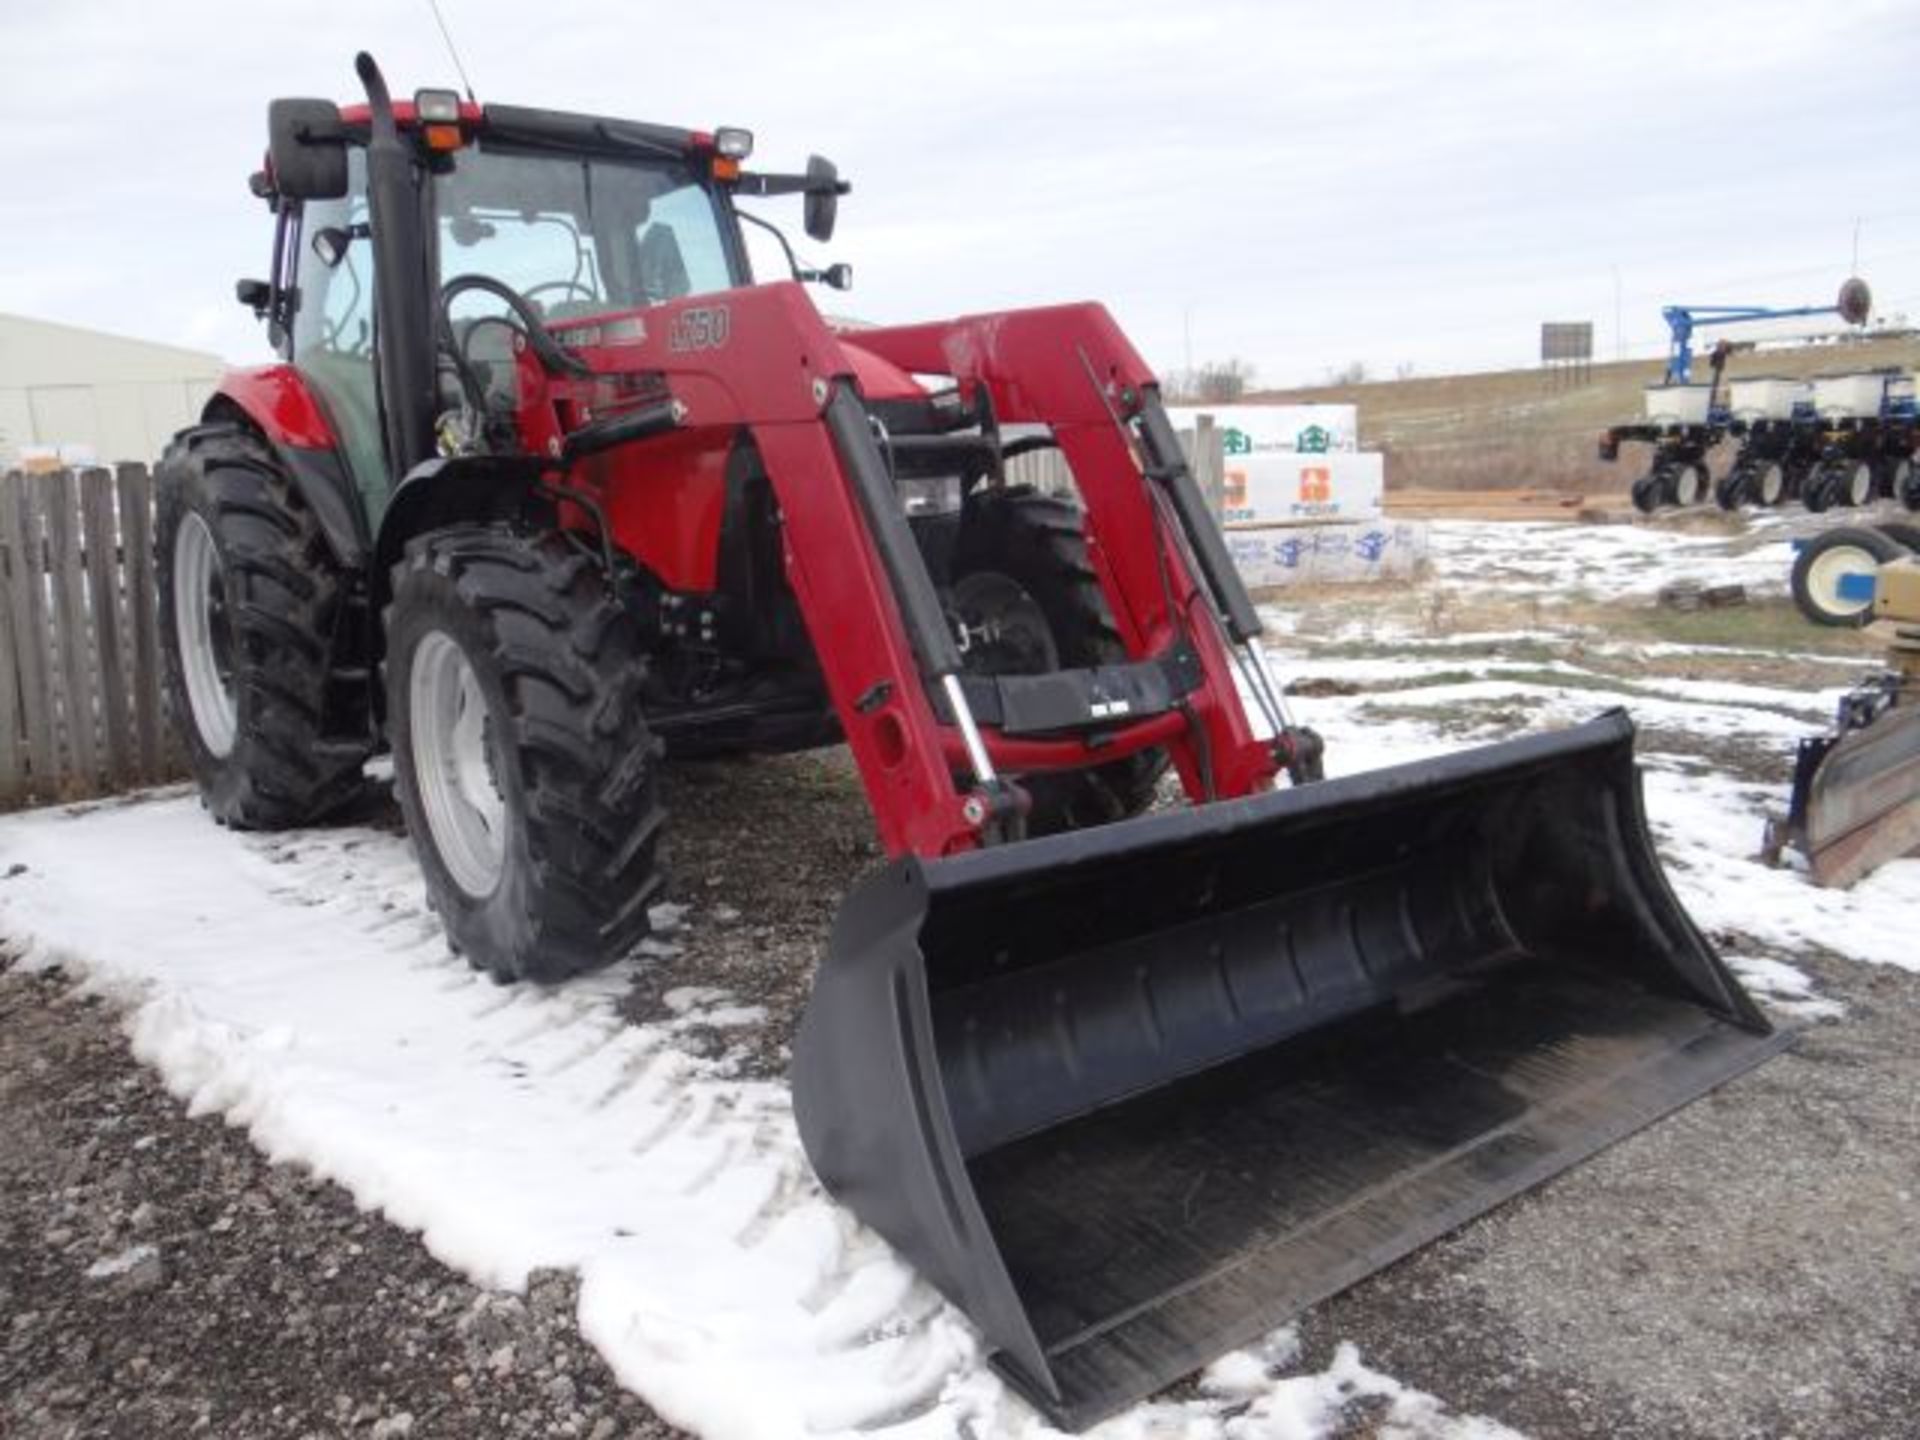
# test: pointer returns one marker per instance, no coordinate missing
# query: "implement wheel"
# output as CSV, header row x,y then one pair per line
x,y
521,758
1734,487
1026,596
1688,484
1822,489
1768,483
249,598
1857,483
1820,567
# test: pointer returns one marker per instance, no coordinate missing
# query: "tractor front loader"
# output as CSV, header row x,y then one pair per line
x,y
545,486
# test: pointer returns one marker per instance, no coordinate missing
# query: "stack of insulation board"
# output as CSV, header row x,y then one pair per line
x,y
1302,501
1291,464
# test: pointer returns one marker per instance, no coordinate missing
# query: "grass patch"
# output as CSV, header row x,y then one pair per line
x,y
1768,625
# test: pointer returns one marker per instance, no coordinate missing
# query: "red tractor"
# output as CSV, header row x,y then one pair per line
x,y
545,487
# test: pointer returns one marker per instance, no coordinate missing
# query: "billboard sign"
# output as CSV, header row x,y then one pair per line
x,y
1566,340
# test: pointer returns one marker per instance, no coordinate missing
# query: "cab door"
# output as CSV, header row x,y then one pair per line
x,y
333,330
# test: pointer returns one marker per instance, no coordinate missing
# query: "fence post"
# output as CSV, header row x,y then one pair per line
x,y
1210,464
101,546
79,702
22,524
14,641
135,485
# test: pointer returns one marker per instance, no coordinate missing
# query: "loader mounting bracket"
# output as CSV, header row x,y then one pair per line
x,y
1068,700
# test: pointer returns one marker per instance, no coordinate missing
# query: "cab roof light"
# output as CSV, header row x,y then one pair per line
x,y
733,143
437,107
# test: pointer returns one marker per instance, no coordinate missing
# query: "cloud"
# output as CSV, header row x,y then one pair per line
x,y
1300,186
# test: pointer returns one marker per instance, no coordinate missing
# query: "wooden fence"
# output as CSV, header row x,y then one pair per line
x,y
81,706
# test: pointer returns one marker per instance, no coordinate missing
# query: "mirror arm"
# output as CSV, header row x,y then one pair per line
x,y
754,183
793,264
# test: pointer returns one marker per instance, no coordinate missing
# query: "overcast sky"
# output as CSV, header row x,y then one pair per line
x,y
1297,185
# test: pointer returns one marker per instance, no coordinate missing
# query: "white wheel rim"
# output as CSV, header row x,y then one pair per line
x,y
1773,484
1827,570
1860,484
200,625
1687,487
455,761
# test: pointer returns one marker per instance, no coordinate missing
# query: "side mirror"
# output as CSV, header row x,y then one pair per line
x,y
254,294
822,206
307,149
838,276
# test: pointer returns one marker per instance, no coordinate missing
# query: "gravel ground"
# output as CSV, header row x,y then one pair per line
x,y
159,1278
1744,1269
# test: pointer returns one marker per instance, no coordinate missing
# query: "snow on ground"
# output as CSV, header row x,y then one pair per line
x,y
298,985
1611,560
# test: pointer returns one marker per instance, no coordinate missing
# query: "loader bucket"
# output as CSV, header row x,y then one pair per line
x,y
1133,1096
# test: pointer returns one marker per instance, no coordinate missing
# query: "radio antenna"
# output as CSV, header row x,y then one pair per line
x,y
447,35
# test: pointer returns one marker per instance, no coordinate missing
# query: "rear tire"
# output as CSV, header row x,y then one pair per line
x,y
522,759
250,598
1039,543
1843,550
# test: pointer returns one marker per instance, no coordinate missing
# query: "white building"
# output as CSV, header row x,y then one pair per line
x,y
91,396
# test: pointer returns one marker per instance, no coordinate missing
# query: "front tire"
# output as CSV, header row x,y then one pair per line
x,y
1024,555
522,760
250,599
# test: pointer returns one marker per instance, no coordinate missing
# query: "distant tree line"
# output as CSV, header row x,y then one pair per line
x,y
1221,382
1217,382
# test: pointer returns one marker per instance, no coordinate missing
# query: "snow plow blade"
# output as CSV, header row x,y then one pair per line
x,y
1133,1096
1856,798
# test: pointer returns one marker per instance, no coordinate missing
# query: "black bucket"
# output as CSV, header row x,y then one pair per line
x,y
1132,1096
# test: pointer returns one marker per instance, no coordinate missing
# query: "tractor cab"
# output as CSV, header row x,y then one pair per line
x,y
482,210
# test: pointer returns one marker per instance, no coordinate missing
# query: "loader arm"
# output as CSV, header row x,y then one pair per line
x,y
762,360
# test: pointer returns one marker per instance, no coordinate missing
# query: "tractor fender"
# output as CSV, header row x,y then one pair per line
x,y
277,402
449,490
